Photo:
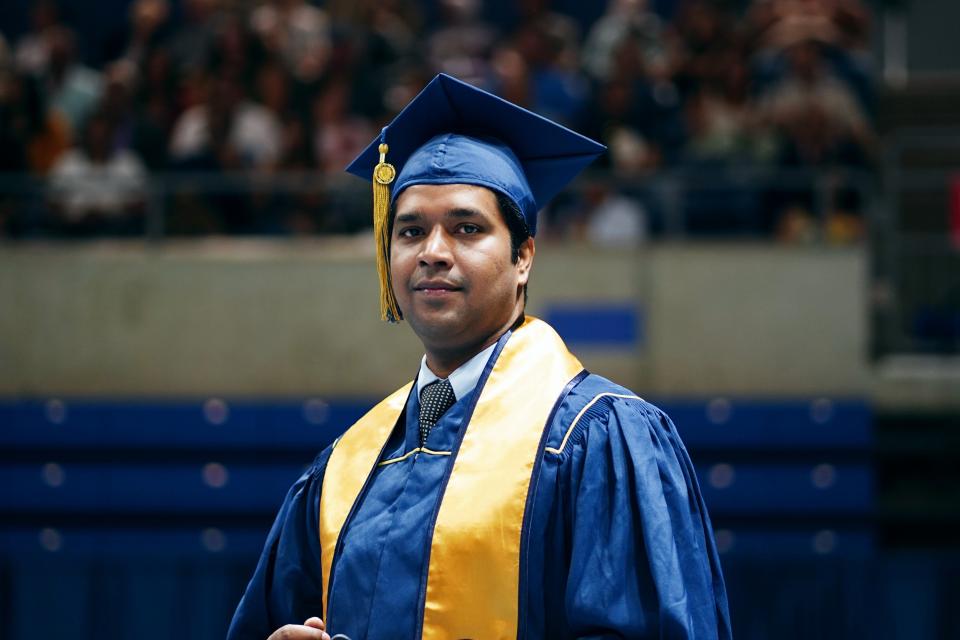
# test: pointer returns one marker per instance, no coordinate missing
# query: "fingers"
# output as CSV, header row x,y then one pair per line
x,y
300,632
315,622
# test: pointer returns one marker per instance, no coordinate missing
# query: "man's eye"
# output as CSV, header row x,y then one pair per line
x,y
409,232
469,228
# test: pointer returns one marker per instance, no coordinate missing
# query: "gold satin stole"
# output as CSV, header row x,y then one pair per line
x,y
473,580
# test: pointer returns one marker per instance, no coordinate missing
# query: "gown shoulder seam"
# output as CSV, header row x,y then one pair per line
x,y
576,420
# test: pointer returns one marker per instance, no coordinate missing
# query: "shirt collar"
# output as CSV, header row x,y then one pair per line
x,y
463,380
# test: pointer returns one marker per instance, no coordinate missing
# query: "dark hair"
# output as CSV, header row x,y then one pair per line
x,y
518,229
515,223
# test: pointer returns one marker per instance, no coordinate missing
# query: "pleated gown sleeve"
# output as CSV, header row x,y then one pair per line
x,y
287,585
641,558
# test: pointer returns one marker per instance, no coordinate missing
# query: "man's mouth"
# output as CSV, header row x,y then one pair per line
x,y
437,288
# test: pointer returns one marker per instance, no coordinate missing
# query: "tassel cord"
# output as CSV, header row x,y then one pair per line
x,y
383,175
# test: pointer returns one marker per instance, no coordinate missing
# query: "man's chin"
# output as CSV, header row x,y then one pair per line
x,y
437,325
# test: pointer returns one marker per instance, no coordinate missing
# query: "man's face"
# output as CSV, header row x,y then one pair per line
x,y
451,267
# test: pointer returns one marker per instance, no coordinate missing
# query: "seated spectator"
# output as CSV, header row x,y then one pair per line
x,y
616,117
145,31
615,220
227,131
781,23
339,136
96,190
297,33
623,20
721,123
540,15
33,136
707,37
556,87
236,51
636,112
383,39
822,127
403,84
154,108
272,88
841,26
274,91
71,88
511,77
116,103
191,44
461,46
32,51
856,61
809,90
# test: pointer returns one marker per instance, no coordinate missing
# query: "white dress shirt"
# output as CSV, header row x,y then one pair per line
x,y
463,379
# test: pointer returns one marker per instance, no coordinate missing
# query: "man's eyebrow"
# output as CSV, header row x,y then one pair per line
x,y
465,212
459,212
413,216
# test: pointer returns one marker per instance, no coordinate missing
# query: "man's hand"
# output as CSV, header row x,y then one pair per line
x,y
312,629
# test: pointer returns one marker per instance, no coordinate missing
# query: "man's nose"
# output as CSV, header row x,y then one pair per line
x,y
436,248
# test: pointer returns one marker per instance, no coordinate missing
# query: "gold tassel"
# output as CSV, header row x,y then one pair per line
x,y
383,175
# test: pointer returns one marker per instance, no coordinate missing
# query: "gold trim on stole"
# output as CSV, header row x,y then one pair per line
x,y
413,452
473,580
355,454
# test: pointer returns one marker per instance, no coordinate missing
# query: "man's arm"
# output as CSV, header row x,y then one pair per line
x,y
643,562
287,585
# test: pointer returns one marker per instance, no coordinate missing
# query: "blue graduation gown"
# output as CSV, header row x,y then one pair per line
x,y
619,541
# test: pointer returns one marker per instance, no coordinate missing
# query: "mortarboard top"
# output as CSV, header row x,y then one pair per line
x,y
547,155
455,133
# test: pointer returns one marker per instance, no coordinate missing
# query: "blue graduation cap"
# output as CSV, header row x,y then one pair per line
x,y
455,133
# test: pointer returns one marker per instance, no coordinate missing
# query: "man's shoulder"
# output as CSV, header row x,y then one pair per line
x,y
592,404
595,391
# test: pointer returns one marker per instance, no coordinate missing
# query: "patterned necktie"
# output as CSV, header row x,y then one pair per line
x,y
435,399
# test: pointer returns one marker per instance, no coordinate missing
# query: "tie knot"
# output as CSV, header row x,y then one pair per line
x,y
435,399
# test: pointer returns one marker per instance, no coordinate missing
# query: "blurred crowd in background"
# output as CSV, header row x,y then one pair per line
x,y
752,117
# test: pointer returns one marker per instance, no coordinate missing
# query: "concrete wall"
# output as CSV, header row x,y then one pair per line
x,y
268,318
758,319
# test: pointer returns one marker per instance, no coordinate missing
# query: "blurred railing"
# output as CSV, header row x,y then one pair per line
x,y
911,217
703,201
915,244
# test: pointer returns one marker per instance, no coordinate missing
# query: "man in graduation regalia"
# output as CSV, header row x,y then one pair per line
x,y
505,492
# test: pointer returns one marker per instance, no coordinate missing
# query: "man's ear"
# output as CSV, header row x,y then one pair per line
x,y
525,255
